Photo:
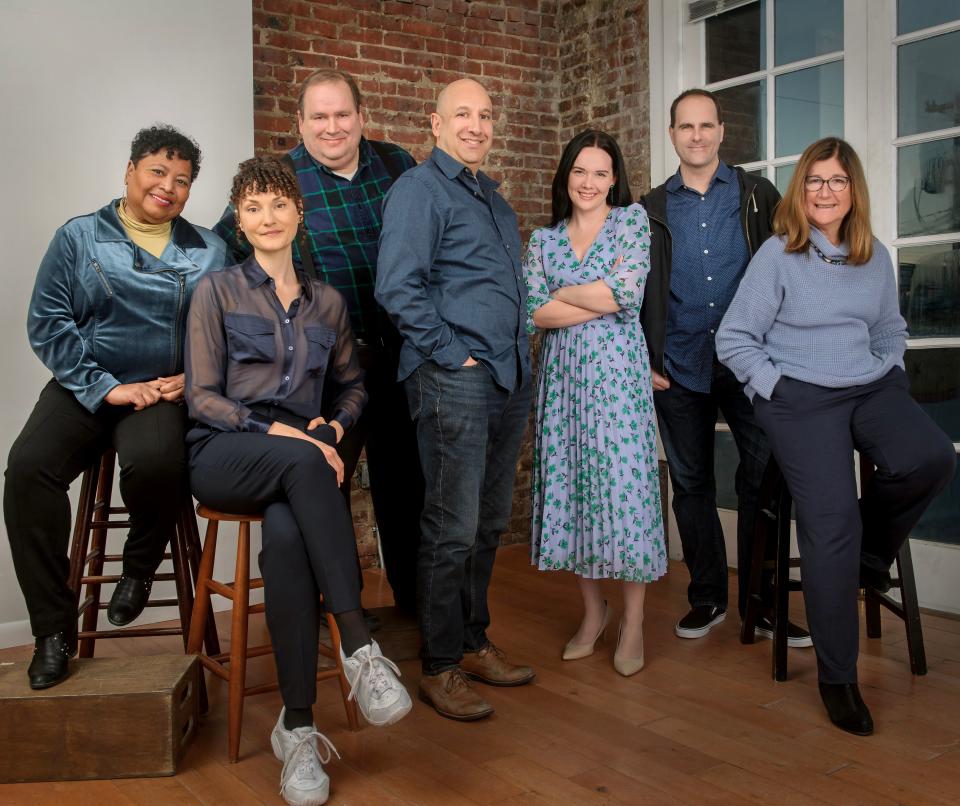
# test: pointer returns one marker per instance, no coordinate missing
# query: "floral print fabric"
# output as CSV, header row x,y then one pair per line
x,y
596,489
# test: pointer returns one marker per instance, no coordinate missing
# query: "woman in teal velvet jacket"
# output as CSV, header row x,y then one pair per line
x,y
107,319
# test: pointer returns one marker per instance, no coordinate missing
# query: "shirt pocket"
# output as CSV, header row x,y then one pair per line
x,y
250,339
320,341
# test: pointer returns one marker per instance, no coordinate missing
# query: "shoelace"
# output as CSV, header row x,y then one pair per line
x,y
456,680
376,678
303,755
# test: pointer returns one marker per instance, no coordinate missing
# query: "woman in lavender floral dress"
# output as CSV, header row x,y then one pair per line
x,y
596,493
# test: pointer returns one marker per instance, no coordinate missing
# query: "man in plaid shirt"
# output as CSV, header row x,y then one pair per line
x,y
344,177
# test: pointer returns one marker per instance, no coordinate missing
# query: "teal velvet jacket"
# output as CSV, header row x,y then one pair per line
x,y
105,312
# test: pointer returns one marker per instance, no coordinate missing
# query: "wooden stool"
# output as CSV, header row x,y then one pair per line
x,y
89,551
773,524
238,592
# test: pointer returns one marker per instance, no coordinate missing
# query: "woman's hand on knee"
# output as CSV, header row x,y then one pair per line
x,y
138,395
329,452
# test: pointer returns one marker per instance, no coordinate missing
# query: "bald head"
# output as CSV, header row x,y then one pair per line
x,y
463,122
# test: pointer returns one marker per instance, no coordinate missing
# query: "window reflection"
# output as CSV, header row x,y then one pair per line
x,y
807,28
927,199
744,119
736,43
809,106
929,280
935,384
928,84
784,174
941,521
915,15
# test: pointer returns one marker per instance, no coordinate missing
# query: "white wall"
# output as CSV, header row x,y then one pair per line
x,y
77,80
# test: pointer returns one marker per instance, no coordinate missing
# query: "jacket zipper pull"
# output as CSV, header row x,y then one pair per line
x,y
753,198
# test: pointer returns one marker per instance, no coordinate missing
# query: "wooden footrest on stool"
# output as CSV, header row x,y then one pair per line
x,y
112,718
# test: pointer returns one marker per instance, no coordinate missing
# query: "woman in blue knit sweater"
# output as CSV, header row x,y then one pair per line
x,y
816,334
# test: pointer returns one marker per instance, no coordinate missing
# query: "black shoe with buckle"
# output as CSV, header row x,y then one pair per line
x,y
50,655
128,600
699,621
846,708
796,635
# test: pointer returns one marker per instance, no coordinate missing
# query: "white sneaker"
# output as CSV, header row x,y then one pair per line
x,y
374,685
302,780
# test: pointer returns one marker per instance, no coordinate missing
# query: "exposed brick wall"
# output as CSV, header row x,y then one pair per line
x,y
604,77
551,67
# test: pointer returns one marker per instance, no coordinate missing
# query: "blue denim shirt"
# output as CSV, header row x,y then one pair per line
x,y
449,272
105,312
710,255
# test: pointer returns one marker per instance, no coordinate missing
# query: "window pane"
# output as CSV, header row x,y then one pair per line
x,y
928,84
930,291
941,521
736,42
809,106
744,123
807,28
784,173
927,198
935,384
915,15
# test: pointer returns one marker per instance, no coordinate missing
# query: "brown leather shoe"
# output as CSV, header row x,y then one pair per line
x,y
490,667
451,695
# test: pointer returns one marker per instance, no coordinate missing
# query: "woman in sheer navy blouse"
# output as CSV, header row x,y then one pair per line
x,y
273,382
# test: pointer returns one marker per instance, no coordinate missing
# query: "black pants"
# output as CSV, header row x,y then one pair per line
x,y
393,460
60,440
687,423
308,542
813,433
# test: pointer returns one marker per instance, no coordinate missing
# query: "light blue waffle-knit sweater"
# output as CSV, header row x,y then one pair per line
x,y
797,315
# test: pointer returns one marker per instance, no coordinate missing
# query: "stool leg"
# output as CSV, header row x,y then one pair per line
x,y
911,610
349,706
81,531
782,587
238,642
98,546
193,551
181,577
201,603
871,608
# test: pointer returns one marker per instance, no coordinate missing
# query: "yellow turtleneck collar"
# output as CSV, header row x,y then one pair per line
x,y
151,237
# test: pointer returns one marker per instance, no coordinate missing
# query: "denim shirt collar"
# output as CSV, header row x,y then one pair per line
x,y
256,276
724,173
452,168
109,228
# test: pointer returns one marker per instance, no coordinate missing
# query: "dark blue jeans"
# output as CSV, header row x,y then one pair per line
x,y
469,432
687,420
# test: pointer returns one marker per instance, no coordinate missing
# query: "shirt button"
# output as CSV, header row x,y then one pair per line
x,y
290,348
709,278
286,321
712,330
287,377
711,305
706,251
704,224
703,198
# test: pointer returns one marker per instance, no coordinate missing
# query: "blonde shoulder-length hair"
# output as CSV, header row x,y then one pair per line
x,y
790,220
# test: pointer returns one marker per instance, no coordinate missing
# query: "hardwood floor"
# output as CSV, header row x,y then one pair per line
x,y
703,723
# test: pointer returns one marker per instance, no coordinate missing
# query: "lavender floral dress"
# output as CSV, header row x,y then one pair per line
x,y
596,490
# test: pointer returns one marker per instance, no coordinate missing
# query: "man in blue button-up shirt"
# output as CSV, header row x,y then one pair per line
x,y
449,276
706,220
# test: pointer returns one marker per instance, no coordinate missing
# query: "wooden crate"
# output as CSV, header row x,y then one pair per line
x,y
112,718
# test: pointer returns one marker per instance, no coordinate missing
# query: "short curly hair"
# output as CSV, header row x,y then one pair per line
x,y
262,175
162,137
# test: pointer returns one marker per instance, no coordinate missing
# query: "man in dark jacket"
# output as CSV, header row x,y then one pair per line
x,y
718,216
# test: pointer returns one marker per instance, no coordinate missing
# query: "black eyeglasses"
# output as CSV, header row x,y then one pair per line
x,y
835,183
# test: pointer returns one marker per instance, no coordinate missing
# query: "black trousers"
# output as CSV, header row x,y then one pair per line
x,y
308,542
60,440
813,433
393,460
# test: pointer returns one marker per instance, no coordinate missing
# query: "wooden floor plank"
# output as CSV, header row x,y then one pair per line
x,y
702,724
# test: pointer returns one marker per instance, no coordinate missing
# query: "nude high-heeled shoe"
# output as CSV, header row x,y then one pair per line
x,y
624,665
574,651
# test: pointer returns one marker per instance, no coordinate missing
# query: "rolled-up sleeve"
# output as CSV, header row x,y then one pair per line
x,y
409,243
53,331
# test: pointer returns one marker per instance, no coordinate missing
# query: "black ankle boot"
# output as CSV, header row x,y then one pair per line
x,y
846,708
128,600
50,655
